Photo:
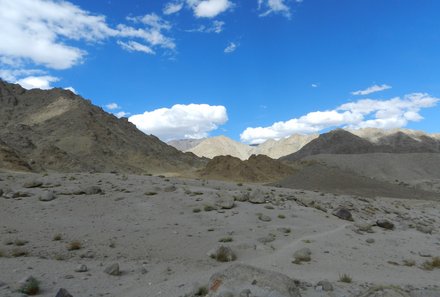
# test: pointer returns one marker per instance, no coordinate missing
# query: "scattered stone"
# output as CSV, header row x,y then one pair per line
x,y
222,254
264,218
47,196
1,192
224,201
245,293
92,190
425,254
302,255
169,189
266,239
69,276
343,213
88,255
370,240
425,229
240,278
325,285
257,197
383,223
385,291
113,269
32,184
81,268
63,293
364,227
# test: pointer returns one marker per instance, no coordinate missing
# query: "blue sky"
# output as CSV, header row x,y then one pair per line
x,y
234,67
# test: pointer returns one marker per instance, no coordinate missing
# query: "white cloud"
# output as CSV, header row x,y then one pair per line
x,y
39,31
314,85
393,113
181,121
172,8
37,82
372,89
122,114
230,48
71,89
133,46
113,106
209,8
12,75
216,27
274,6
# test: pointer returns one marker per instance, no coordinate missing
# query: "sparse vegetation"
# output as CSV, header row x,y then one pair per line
x,y
224,254
201,291
281,216
57,237
345,278
196,210
208,208
30,287
226,239
74,245
19,252
434,263
20,242
150,193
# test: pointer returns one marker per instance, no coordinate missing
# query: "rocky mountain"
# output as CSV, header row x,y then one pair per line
x,y
58,130
285,146
185,144
221,146
344,142
258,168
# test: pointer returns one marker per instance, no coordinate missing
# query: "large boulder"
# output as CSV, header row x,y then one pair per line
x,y
240,278
224,200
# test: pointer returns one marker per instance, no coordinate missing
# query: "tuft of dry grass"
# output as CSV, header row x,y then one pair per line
x,y
434,263
409,262
74,245
225,239
31,287
57,237
19,252
345,278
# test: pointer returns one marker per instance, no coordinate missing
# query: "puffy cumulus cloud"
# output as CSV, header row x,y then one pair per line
x,y
209,8
230,48
372,89
172,7
38,82
39,31
122,114
274,6
181,121
366,113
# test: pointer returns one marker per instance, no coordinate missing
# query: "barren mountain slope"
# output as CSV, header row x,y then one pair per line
x,y
221,146
58,130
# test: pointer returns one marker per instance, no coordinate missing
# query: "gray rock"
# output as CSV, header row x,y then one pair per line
x,y
325,285
425,229
81,268
264,218
32,184
245,293
268,238
370,240
383,223
113,269
92,190
385,291
222,254
63,293
343,213
47,196
169,189
1,192
240,278
302,255
257,197
224,201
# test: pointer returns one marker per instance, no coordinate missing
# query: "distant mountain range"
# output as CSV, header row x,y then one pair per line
x,y
339,141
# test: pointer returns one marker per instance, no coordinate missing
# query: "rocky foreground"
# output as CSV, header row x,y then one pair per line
x,y
131,235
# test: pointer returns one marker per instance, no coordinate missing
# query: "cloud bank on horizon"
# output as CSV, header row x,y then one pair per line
x,y
364,113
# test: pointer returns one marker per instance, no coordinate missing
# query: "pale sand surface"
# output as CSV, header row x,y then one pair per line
x,y
161,235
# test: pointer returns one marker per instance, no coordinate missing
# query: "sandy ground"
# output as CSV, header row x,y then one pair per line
x,y
149,226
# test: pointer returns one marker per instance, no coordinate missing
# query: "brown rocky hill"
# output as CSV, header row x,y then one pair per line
x,y
340,141
58,130
258,168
